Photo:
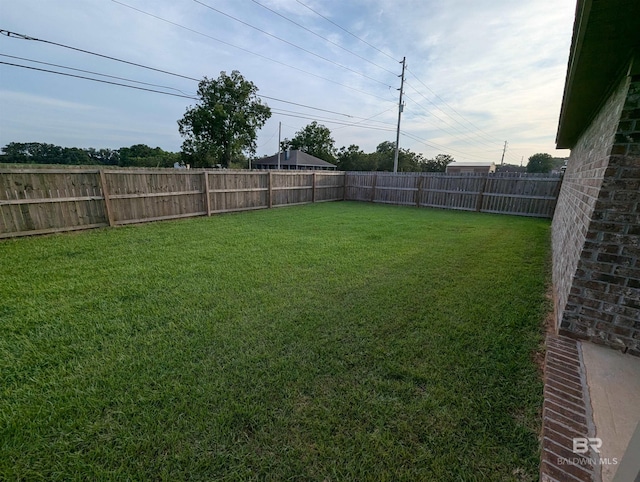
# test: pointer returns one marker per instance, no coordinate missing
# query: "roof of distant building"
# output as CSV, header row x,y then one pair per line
x,y
470,164
294,158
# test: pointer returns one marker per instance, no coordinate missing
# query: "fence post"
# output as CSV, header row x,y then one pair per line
x,y
344,186
207,199
481,193
373,186
105,194
269,185
313,188
419,191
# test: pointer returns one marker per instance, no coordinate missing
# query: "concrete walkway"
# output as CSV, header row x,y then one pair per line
x,y
613,381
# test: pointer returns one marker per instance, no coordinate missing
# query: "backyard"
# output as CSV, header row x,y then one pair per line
x,y
332,341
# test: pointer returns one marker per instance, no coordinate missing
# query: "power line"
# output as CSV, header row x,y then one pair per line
x,y
391,57
248,51
448,115
25,37
320,36
443,121
290,43
277,111
438,146
301,115
94,73
99,80
345,30
443,101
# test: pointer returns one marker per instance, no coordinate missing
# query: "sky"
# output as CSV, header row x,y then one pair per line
x,y
479,72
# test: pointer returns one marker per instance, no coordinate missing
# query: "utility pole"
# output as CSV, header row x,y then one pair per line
x,y
279,148
503,151
400,108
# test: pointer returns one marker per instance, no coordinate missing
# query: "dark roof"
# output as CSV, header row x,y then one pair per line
x,y
295,158
606,36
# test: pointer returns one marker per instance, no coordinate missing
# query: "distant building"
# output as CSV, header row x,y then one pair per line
x,y
471,167
294,160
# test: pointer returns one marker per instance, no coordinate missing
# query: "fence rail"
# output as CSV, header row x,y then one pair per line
x,y
41,201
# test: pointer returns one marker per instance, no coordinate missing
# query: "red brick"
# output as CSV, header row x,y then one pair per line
x,y
549,414
571,380
578,416
566,434
563,388
559,449
559,474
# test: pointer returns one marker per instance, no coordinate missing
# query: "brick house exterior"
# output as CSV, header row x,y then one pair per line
x,y
596,226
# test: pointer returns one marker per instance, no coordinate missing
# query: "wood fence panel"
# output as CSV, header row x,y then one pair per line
x,y
55,200
329,186
359,185
141,196
292,187
238,190
522,195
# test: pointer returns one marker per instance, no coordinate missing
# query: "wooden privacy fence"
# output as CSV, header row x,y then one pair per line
x,y
506,193
41,201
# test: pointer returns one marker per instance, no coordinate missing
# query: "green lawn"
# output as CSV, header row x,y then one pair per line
x,y
335,341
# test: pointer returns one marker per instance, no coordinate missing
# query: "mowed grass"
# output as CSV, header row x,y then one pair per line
x,y
336,341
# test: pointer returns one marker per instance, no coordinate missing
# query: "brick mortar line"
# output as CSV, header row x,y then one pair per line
x,y
565,377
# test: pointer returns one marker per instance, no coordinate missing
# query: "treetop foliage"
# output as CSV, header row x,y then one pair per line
x,y
224,122
314,139
541,162
352,158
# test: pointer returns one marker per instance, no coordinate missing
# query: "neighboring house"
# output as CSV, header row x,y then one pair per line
x,y
596,225
296,160
470,167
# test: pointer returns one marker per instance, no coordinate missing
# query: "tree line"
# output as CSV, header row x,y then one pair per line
x,y
139,155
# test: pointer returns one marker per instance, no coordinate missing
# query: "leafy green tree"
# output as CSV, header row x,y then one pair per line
x,y
408,161
141,155
541,162
224,122
353,158
314,139
439,164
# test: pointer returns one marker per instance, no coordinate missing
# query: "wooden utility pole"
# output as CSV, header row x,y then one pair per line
x,y
400,107
503,151
279,148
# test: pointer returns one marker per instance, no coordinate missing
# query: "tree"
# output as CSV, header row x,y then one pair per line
x,y
540,163
353,158
224,122
314,139
439,164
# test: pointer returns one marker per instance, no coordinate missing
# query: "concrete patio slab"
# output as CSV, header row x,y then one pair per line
x,y
613,381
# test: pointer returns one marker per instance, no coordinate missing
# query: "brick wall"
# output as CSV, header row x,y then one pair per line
x,y
596,228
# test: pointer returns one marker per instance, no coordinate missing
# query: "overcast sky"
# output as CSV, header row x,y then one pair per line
x,y
479,71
